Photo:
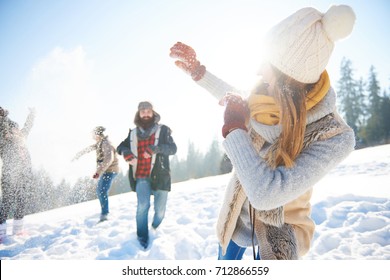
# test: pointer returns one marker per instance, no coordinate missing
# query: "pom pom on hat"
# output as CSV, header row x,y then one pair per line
x,y
300,46
338,22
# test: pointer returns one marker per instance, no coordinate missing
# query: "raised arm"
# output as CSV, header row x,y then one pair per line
x,y
29,122
188,62
84,151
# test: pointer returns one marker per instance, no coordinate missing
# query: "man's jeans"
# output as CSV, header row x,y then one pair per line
x,y
102,189
144,191
233,252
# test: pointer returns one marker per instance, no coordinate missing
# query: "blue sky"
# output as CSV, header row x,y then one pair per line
x,y
86,63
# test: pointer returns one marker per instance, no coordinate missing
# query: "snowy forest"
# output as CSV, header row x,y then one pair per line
x,y
46,195
365,107
362,102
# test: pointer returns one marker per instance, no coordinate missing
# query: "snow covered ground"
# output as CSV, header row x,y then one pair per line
x,y
351,207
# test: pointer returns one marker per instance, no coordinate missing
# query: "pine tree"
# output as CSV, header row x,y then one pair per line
x,y
62,192
361,93
193,162
40,195
374,131
212,160
385,112
197,165
120,184
351,96
83,190
178,170
362,118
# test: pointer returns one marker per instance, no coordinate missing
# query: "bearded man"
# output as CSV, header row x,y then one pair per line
x,y
147,149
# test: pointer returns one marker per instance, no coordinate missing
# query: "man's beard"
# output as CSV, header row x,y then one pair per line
x,y
146,122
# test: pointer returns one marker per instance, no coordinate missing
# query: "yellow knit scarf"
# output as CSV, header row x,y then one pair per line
x,y
264,109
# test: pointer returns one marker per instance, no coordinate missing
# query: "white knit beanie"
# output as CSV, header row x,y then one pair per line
x,y
300,46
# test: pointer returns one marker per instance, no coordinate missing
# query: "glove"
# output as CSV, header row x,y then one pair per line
x,y
236,114
187,60
95,176
152,149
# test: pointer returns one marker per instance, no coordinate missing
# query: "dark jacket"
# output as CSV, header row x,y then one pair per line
x,y
160,174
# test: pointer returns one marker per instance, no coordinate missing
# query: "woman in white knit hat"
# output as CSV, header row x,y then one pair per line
x,y
282,138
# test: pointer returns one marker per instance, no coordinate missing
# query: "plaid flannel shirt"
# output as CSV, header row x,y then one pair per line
x,y
144,164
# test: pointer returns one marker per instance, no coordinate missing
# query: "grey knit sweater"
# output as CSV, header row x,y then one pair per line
x,y
268,188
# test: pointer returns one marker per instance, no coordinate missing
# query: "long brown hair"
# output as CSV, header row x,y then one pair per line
x,y
290,95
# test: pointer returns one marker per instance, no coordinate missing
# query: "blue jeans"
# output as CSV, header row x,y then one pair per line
x,y
144,191
102,189
233,252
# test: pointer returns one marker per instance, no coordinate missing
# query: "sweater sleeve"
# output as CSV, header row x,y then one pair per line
x,y
168,146
85,151
217,87
268,188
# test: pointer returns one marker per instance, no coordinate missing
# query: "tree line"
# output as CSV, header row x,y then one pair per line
x,y
365,107
197,165
361,102
45,195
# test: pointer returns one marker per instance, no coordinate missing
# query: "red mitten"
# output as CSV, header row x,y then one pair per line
x,y
95,176
187,60
236,113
